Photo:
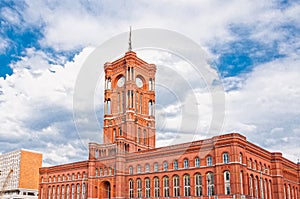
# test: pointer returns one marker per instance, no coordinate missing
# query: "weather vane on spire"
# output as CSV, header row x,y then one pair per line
x,y
129,42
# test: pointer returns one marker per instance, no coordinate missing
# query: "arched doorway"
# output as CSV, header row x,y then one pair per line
x,y
105,191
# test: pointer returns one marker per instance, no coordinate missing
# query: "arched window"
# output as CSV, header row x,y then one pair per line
x,y
130,170
145,136
187,185
186,163
131,188
156,187
49,192
139,187
227,182
78,176
147,168
166,186
209,161
53,192
147,187
242,182
96,171
108,84
176,186
78,192
165,166
250,163
198,184
197,162
256,187
83,191
155,167
151,84
73,191
63,192
210,184
101,172
175,165
138,168
251,185
68,191
151,107
225,158
241,158
138,135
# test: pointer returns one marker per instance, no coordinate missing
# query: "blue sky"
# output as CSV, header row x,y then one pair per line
x,y
255,46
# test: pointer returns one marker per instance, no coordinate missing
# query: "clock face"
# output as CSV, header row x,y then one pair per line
x,y
139,82
121,82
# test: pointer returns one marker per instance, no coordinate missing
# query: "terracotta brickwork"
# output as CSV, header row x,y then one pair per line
x,y
29,166
128,165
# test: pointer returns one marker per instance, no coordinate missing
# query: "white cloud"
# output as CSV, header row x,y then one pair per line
x,y
266,107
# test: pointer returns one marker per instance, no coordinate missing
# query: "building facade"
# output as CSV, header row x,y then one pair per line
x,y
128,165
19,174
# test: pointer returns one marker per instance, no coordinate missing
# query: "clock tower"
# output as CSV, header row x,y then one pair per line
x,y
129,101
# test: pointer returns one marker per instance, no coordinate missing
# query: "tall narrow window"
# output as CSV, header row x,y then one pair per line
x,y
96,172
225,158
155,167
147,168
176,191
242,182
119,103
175,165
109,84
145,136
123,101
186,163
251,185
227,182
197,162
68,191
130,170
147,188
83,191
187,185
139,188
210,184
198,184
256,187
165,166
138,168
131,99
115,134
73,191
63,192
166,186
141,103
53,192
150,107
150,84
241,158
136,102
209,161
78,192
121,132
138,135
156,187
58,192
131,189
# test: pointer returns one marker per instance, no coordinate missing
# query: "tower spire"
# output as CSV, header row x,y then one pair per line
x,y
129,42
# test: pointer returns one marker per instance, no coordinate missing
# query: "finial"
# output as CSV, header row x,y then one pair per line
x,y
129,42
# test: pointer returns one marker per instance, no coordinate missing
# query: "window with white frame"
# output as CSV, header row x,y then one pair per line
x,y
165,166
131,189
139,188
197,162
225,158
147,187
166,186
209,161
187,185
138,168
198,184
147,168
210,184
175,165
176,186
156,187
130,170
227,182
155,167
186,163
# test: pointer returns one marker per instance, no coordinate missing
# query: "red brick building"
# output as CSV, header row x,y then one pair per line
x,y
127,164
